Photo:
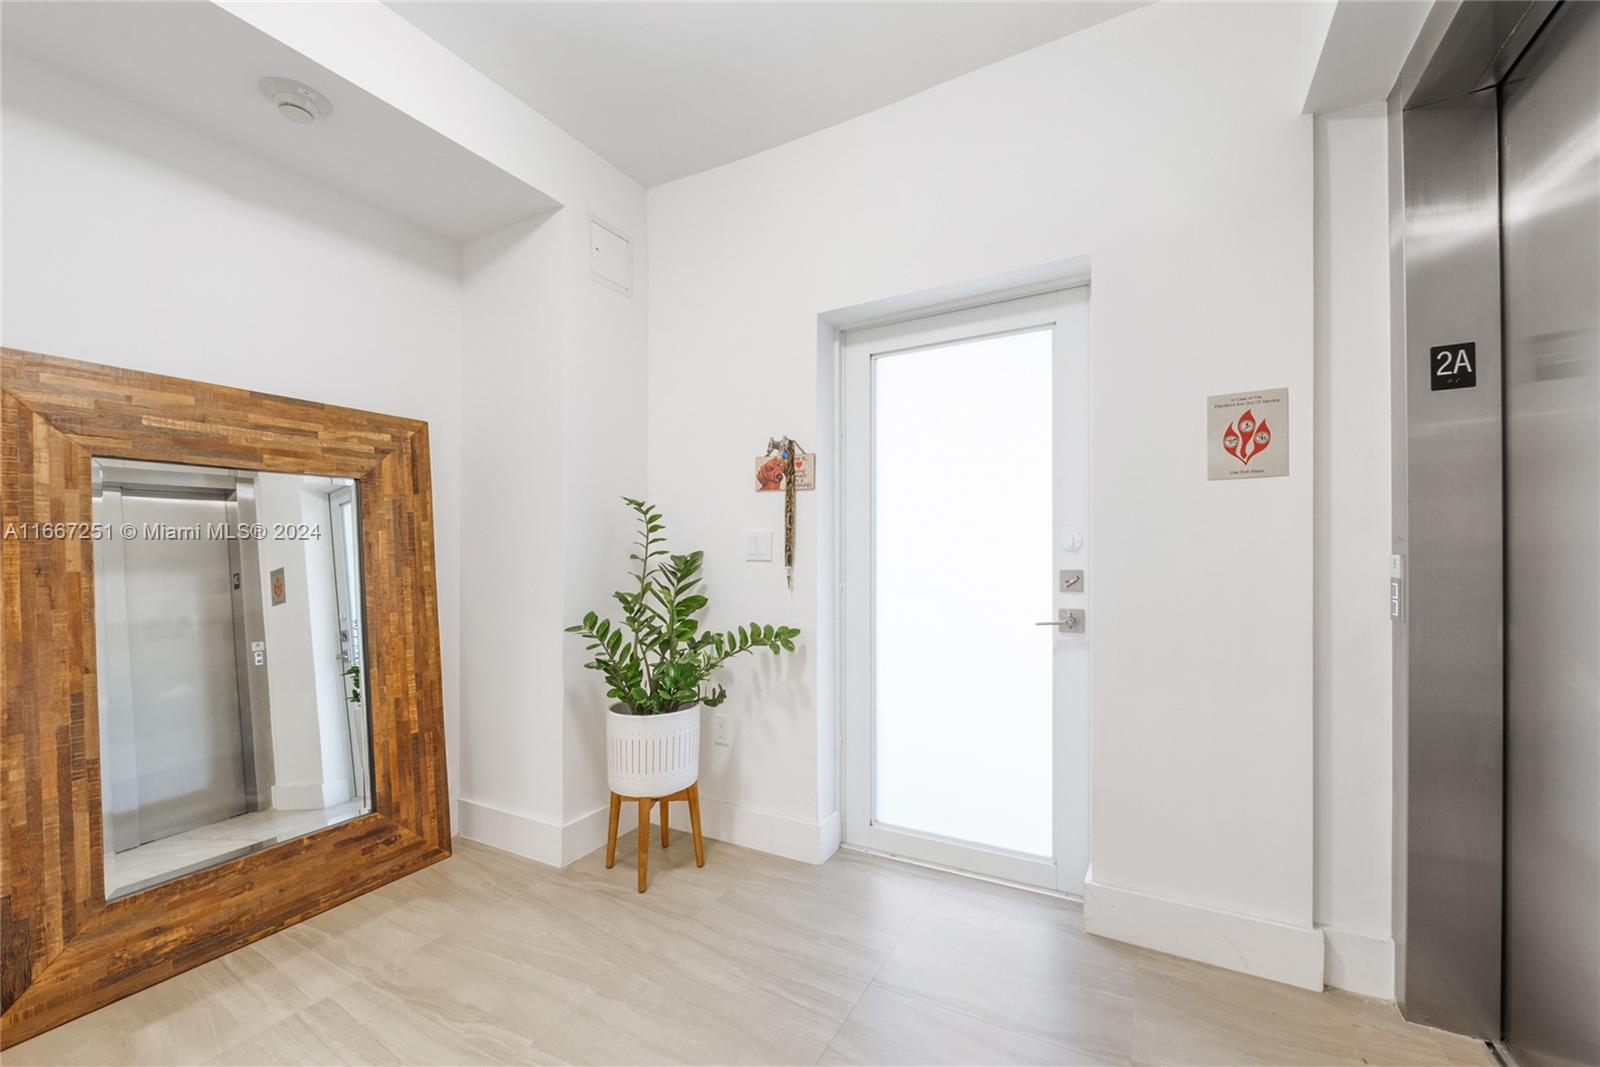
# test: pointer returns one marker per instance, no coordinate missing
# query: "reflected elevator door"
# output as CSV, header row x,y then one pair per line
x,y
1550,217
184,699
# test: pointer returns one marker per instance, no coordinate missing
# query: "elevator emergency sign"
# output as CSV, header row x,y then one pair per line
x,y
1247,435
1453,366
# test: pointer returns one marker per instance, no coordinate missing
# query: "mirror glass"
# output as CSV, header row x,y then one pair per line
x,y
230,664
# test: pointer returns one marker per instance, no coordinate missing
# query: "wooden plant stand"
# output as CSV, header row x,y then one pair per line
x,y
691,795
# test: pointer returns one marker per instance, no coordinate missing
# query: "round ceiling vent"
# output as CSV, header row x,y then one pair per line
x,y
296,102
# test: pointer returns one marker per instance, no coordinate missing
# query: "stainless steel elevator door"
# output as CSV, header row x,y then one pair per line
x,y
185,699
1550,204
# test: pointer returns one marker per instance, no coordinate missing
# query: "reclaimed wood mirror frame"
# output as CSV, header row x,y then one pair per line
x,y
64,949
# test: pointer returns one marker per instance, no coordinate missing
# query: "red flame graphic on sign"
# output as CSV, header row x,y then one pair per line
x,y
1244,439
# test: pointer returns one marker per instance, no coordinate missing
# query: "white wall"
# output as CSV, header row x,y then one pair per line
x,y
1166,146
511,665
137,242
604,459
553,383
288,634
310,729
551,375
322,608
1352,510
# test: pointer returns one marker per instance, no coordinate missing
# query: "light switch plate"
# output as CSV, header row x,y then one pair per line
x,y
758,546
721,731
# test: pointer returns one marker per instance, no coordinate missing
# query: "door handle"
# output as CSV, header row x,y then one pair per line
x,y
1068,621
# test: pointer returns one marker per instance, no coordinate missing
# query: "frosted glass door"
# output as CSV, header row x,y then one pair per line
x,y
964,510
962,488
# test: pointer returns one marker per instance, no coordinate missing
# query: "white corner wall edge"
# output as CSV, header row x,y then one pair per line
x,y
1364,46
1262,947
766,831
832,835
521,833
543,840
526,834
1358,963
309,796
338,791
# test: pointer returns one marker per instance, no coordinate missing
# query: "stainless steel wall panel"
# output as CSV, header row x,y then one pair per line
x,y
1399,494
1550,197
119,756
1469,46
255,706
185,700
1450,875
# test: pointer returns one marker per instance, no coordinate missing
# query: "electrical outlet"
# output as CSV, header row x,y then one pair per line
x,y
721,731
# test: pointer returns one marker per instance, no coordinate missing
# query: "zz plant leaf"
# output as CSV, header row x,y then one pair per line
x,y
657,659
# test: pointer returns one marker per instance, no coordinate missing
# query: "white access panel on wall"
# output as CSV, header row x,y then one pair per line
x,y
610,257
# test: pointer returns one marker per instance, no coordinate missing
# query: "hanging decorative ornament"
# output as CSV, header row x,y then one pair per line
x,y
785,450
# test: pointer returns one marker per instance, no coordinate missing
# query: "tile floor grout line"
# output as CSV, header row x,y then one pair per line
x,y
763,864
1035,1035
1185,1012
954,1010
875,972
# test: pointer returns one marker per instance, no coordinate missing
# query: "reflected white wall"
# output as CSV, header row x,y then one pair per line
x,y
310,731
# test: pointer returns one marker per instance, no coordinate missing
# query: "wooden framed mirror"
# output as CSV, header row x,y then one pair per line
x,y
70,434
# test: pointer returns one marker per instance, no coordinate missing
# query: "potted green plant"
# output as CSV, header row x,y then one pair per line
x,y
658,662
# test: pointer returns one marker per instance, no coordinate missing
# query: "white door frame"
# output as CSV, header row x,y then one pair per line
x,y
1067,312
352,641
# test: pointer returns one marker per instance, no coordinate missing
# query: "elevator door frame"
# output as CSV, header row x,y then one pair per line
x,y
1450,791
352,635
115,479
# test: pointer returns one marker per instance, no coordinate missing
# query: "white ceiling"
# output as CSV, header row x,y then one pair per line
x,y
198,64
663,90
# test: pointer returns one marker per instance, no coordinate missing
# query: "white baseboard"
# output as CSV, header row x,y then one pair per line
x,y
586,833
540,839
512,831
767,831
337,791
1267,949
305,796
832,835
1359,963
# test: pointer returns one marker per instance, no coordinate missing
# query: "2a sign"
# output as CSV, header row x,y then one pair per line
x,y
1453,366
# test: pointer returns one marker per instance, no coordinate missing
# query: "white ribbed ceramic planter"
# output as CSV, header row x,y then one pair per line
x,y
653,755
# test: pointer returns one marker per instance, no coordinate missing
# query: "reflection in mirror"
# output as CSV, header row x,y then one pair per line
x,y
232,678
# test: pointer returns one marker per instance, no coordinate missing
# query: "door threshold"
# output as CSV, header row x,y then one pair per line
x,y
1501,1053
1075,899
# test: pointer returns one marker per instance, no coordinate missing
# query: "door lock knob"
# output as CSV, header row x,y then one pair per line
x,y
1067,621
